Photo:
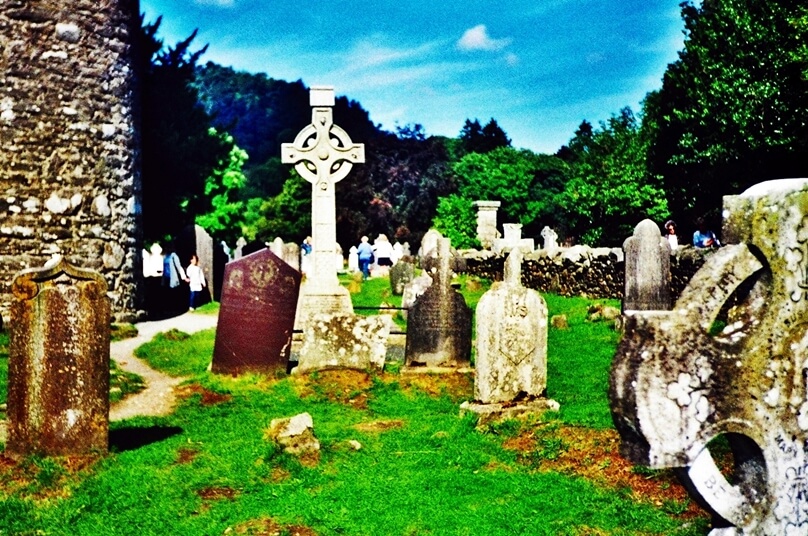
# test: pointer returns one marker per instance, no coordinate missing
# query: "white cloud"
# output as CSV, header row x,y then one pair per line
x,y
511,59
216,3
477,38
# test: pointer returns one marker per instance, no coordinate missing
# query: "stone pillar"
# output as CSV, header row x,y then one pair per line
x,y
487,222
58,373
648,270
69,167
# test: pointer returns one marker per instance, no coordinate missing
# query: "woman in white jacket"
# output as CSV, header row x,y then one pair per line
x,y
196,279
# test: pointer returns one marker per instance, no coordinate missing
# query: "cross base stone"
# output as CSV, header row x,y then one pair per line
x,y
316,299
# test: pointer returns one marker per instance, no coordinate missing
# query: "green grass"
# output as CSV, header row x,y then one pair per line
x,y
435,474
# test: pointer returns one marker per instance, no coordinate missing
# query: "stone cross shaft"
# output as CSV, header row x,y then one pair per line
x,y
323,154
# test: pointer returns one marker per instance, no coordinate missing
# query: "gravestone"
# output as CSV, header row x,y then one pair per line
x,y
550,238
257,315
413,290
429,244
511,363
291,254
221,256
344,341
401,273
487,222
513,239
58,371
439,322
648,269
353,259
323,154
195,239
277,247
675,384
405,250
240,243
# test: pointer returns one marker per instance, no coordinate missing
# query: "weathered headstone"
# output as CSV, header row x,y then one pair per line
x,y
335,341
401,273
429,244
439,322
257,315
58,372
648,270
675,385
277,247
195,239
398,252
353,259
413,290
511,364
487,222
221,256
291,254
240,243
550,238
513,239
323,154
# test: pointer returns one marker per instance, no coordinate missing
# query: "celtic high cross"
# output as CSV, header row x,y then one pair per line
x,y
323,154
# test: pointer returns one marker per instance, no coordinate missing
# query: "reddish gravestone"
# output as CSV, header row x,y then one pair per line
x,y
58,372
257,315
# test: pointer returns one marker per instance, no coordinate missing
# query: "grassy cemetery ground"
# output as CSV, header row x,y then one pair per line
x,y
208,469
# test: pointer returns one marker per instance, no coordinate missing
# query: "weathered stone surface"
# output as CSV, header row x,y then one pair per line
x,y
257,315
487,222
511,340
550,238
648,269
294,435
674,386
439,322
344,341
67,75
58,374
323,154
401,273
413,290
489,413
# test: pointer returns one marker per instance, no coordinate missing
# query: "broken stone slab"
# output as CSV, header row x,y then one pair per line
x,y
677,383
489,413
294,435
344,341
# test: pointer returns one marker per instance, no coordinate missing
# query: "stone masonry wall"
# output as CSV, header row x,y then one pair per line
x,y
582,271
69,142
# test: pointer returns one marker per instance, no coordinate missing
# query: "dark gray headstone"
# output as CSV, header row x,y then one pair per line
x,y
58,373
401,273
257,315
439,322
648,270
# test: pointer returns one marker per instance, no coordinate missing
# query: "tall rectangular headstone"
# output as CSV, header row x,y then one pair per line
x,y
439,322
58,373
257,315
648,270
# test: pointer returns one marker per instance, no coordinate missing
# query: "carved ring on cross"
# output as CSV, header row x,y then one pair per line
x,y
338,139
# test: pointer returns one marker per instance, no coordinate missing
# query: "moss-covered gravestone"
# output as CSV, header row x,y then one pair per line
x,y
58,373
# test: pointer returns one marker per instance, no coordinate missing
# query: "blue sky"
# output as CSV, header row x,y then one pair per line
x,y
539,67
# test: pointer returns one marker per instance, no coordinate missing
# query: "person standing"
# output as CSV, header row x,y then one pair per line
x,y
365,254
172,275
670,234
383,250
196,280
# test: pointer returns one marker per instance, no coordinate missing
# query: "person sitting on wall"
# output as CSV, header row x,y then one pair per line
x,y
703,237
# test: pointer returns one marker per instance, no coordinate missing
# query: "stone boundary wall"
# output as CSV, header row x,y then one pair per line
x,y
69,162
581,270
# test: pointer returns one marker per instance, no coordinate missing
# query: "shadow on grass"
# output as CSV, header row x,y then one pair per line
x,y
134,437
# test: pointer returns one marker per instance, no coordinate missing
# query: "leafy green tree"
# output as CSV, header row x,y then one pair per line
x,y
225,221
287,215
732,108
456,219
483,139
178,151
610,188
